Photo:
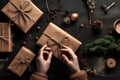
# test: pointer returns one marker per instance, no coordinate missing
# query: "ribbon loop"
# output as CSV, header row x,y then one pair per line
x,y
21,11
5,38
57,45
22,60
25,5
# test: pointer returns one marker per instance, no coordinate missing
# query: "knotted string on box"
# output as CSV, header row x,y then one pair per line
x,y
57,45
21,11
5,38
20,62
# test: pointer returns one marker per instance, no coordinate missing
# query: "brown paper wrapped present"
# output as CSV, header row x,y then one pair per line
x,y
21,61
54,37
5,38
23,13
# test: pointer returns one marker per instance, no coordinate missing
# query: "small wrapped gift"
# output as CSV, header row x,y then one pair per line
x,y
54,37
21,61
23,13
5,38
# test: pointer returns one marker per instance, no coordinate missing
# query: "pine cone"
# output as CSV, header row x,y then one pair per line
x,y
97,25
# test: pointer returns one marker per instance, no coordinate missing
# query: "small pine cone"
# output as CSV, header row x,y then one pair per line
x,y
66,20
97,25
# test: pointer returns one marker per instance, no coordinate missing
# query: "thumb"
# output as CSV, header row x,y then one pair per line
x,y
49,57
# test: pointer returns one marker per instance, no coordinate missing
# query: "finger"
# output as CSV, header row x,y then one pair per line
x,y
65,46
43,47
49,57
65,58
45,52
41,50
68,52
48,48
68,49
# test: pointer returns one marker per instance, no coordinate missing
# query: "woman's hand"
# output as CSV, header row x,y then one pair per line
x,y
70,59
44,59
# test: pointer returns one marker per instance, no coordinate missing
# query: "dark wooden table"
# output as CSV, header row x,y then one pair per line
x,y
58,70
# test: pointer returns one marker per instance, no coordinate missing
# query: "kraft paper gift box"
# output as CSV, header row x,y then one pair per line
x,y
54,37
5,38
21,61
23,13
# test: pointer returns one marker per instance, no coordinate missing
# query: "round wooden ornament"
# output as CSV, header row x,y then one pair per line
x,y
111,63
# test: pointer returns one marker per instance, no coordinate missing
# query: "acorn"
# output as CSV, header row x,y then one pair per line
x,y
74,16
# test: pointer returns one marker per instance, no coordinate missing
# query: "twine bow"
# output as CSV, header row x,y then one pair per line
x,y
21,62
57,45
5,38
21,11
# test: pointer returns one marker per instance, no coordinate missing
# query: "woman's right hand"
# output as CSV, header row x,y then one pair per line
x,y
70,58
44,59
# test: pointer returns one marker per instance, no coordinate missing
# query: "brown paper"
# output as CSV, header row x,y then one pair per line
x,y
21,61
55,37
23,13
5,38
